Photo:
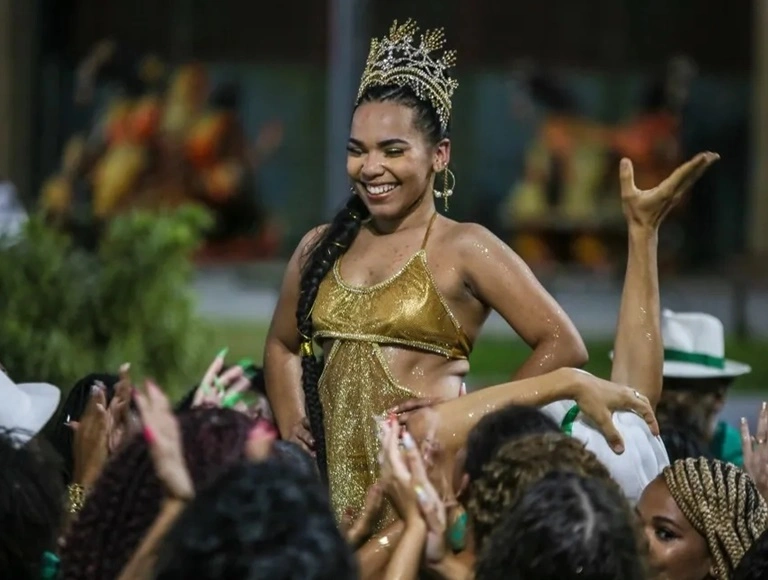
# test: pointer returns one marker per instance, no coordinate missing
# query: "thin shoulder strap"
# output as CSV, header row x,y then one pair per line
x,y
429,229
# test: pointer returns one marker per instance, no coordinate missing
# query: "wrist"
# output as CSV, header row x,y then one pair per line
x,y
568,383
639,231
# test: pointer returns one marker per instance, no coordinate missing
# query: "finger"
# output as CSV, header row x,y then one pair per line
x,y
213,370
762,423
157,397
626,176
611,434
240,386
641,406
683,173
398,465
74,425
228,377
414,459
412,405
142,404
689,181
746,441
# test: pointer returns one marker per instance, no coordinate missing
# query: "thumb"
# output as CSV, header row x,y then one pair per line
x,y
626,174
74,425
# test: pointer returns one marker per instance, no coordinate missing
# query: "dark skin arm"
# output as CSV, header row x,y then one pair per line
x,y
502,281
282,362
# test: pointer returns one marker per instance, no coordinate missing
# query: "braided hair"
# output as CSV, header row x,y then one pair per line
x,y
333,243
722,503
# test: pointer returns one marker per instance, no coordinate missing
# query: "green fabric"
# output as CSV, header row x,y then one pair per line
x,y
49,569
671,355
726,444
566,426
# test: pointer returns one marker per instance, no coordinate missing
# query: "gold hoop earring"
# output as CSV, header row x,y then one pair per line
x,y
447,191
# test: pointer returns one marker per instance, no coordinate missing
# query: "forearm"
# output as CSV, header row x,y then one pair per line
x,y
143,560
406,559
639,352
282,375
554,353
458,416
373,557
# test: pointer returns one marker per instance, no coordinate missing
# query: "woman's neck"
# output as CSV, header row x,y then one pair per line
x,y
416,216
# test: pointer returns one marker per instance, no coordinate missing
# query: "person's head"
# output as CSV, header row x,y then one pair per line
x,y
565,526
399,137
259,520
698,402
519,464
62,436
491,433
754,564
294,455
31,507
700,517
127,497
697,374
682,440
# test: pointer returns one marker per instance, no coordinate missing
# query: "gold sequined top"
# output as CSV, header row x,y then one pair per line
x,y
356,385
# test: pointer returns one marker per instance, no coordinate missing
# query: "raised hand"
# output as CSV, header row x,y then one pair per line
x,y
649,207
756,451
90,443
218,390
163,436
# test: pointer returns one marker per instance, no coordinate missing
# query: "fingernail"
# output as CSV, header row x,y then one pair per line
x,y
125,367
743,420
94,389
408,441
765,404
618,448
223,353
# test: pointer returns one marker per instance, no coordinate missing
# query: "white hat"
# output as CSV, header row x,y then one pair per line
x,y
26,408
694,347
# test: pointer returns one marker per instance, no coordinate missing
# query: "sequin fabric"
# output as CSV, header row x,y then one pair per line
x,y
357,385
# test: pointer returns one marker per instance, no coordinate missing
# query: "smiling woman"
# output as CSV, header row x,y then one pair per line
x,y
393,293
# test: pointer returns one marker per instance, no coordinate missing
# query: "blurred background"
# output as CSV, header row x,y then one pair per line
x,y
116,114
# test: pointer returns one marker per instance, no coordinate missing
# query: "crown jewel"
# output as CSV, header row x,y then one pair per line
x,y
398,60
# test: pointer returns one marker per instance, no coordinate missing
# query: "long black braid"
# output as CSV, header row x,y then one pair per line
x,y
329,247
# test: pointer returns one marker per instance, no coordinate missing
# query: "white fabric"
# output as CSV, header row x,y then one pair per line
x,y
644,455
26,408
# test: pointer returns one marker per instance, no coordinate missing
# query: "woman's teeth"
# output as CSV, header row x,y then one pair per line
x,y
379,189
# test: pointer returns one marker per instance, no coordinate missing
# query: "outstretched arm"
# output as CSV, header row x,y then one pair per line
x,y
639,355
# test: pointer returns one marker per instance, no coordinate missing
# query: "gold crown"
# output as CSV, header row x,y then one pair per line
x,y
398,60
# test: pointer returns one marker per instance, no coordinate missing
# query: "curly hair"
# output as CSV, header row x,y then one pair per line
x,y
722,503
518,465
128,495
564,526
260,520
500,427
31,506
334,241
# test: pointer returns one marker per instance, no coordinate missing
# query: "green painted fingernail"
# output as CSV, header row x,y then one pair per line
x,y
223,352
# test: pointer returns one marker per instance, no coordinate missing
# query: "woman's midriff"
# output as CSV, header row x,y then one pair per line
x,y
356,387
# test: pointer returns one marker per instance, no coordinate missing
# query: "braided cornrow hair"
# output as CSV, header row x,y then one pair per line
x,y
722,503
332,244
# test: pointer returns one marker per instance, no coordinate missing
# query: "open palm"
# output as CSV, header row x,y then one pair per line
x,y
649,207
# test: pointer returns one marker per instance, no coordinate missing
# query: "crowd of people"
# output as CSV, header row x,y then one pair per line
x,y
369,458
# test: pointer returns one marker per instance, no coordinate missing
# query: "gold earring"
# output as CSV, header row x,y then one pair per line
x,y
446,191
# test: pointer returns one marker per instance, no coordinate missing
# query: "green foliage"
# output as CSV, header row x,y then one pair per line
x,y
66,312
